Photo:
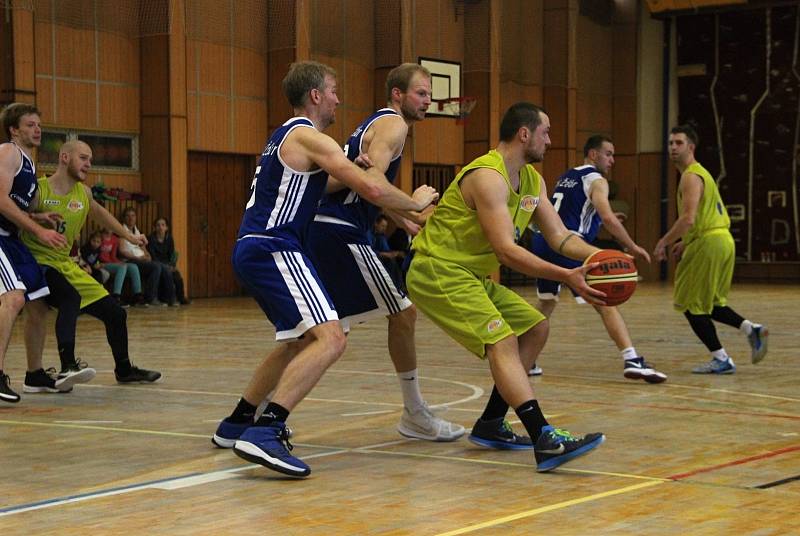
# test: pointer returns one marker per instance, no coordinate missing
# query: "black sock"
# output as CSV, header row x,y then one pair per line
x,y
273,412
532,418
244,412
66,353
496,408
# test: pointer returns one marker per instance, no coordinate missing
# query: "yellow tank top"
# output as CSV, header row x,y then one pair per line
x,y
711,212
453,233
73,207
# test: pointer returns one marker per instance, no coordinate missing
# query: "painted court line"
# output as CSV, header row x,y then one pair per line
x,y
549,508
740,461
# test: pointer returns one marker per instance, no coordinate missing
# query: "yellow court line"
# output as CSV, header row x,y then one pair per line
x,y
550,508
507,464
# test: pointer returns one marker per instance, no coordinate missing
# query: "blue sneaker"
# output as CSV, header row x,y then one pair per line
x,y
269,446
758,343
715,366
556,447
228,432
497,434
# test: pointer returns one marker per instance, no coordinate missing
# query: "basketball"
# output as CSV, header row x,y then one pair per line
x,y
616,275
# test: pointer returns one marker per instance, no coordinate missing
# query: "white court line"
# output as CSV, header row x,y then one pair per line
x,y
379,412
88,422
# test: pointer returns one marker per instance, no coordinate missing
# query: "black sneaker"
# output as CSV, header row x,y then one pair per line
x,y
497,434
7,394
556,447
639,369
79,371
47,381
138,375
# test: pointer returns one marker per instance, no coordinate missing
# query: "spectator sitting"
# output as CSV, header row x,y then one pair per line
x,y
392,259
162,249
89,258
109,244
156,276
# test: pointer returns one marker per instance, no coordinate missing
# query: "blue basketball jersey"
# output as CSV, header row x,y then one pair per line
x,y
346,204
571,200
282,201
23,190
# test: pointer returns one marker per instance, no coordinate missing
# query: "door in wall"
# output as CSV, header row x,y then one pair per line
x,y
218,188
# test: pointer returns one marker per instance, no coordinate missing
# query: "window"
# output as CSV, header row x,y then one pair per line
x,y
110,151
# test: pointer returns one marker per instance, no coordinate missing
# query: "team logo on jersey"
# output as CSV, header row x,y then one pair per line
x,y
52,202
529,203
74,205
494,325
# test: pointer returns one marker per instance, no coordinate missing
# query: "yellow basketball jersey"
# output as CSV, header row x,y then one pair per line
x,y
454,234
711,212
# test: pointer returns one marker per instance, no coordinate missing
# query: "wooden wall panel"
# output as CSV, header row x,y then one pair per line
x,y
644,228
250,120
278,109
43,48
197,224
213,124
74,52
44,99
214,64
24,59
249,73
76,104
155,75
154,164
118,58
624,120
119,108
557,106
554,164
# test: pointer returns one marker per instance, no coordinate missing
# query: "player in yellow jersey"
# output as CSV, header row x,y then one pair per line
x,y
73,291
702,243
474,229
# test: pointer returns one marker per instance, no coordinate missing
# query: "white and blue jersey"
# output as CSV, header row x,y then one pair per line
x,y
269,256
346,205
18,269
339,243
571,199
282,201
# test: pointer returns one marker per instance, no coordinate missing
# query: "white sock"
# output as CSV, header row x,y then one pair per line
x,y
746,327
629,353
720,354
409,385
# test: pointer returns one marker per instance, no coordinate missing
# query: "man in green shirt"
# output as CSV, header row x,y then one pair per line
x,y
73,291
706,252
473,230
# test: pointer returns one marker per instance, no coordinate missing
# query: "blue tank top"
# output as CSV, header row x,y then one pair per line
x,y
346,204
571,200
282,201
23,190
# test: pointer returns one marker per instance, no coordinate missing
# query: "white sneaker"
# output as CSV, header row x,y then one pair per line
x,y
536,370
423,424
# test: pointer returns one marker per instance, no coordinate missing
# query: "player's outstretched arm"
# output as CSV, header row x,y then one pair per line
x,y
372,186
599,197
107,220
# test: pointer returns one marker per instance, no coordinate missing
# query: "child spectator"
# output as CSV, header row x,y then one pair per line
x,y
109,244
162,249
89,258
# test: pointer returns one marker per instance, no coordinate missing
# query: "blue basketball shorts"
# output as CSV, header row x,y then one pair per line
x,y
545,288
19,270
352,272
285,284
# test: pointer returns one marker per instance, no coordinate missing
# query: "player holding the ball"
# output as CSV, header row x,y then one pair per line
x,y
581,200
474,229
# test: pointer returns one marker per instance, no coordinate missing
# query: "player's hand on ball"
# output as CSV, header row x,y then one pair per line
x,y
576,280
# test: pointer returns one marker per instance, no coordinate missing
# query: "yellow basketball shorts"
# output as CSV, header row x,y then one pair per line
x,y
703,275
87,286
474,311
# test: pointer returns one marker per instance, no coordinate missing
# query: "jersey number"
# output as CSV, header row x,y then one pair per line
x,y
558,197
61,227
252,200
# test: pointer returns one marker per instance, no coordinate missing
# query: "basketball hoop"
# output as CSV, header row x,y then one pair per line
x,y
459,107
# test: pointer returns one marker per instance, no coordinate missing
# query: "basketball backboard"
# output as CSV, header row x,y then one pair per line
x,y
445,84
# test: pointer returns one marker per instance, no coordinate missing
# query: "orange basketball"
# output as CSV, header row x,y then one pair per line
x,y
616,275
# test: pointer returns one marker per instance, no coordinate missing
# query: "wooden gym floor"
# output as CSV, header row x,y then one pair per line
x,y
695,455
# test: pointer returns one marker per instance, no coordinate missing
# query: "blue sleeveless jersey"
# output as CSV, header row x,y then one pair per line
x,y
282,201
23,190
571,201
346,204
